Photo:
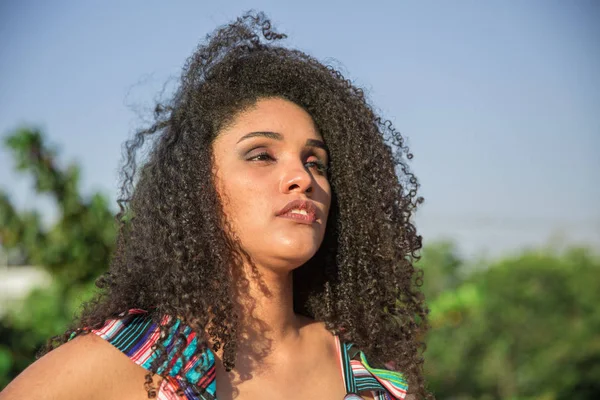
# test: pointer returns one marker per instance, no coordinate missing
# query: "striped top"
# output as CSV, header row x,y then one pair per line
x,y
136,335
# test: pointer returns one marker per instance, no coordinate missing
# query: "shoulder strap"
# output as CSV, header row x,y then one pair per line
x,y
136,335
346,368
359,376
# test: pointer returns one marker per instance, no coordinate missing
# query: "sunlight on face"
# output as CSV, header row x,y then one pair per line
x,y
268,156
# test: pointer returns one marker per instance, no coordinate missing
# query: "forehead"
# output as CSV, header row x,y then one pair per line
x,y
272,114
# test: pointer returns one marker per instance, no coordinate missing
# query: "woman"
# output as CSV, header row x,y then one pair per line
x,y
265,250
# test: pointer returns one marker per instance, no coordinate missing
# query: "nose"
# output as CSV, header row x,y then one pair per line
x,y
297,179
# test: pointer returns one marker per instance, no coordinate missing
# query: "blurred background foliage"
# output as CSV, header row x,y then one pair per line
x,y
74,251
525,326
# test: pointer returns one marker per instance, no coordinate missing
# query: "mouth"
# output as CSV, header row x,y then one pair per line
x,y
302,211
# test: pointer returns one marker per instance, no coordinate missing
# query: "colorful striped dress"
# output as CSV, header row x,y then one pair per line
x,y
136,335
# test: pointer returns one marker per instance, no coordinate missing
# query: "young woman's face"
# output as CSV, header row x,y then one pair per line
x,y
270,155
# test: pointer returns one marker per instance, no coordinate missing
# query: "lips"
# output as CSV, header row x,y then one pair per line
x,y
303,205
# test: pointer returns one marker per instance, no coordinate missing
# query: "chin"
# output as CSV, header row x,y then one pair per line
x,y
293,257
294,246
284,250
298,258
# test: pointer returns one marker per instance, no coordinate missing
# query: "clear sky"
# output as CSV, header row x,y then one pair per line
x,y
500,100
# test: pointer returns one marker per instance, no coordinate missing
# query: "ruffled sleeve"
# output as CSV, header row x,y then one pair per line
x,y
136,335
392,381
359,376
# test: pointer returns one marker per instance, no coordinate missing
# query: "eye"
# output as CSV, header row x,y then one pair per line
x,y
319,165
264,156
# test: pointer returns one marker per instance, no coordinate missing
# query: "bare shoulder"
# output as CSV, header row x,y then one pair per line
x,y
87,367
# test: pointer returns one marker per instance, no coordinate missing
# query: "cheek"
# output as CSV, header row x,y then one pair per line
x,y
245,200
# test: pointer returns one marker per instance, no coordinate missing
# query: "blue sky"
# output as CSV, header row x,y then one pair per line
x,y
500,100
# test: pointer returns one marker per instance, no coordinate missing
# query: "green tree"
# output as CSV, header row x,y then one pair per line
x,y
525,327
75,250
442,267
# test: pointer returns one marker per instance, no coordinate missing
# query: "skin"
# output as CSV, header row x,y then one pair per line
x,y
299,360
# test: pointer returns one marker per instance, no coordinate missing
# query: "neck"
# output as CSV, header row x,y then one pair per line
x,y
266,309
267,323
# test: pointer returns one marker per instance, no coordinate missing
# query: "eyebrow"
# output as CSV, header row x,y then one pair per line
x,y
279,136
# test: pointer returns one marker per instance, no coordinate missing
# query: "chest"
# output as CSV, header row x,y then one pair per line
x,y
321,380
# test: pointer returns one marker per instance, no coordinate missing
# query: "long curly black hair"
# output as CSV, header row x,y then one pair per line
x,y
173,254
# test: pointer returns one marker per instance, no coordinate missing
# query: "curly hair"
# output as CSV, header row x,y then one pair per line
x,y
172,237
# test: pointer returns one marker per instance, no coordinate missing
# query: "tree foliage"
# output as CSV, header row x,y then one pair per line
x,y
523,327
74,250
